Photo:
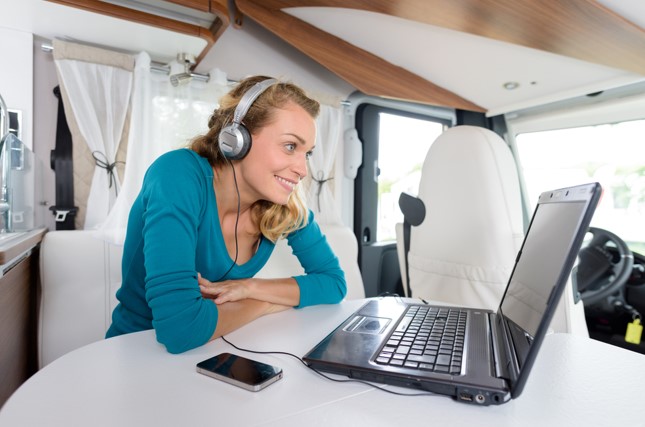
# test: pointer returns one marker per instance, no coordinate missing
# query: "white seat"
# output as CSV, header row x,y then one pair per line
x,y
80,275
464,250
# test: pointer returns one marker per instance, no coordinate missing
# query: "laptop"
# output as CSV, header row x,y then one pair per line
x,y
485,357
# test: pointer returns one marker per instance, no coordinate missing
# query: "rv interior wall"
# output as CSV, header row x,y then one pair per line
x,y
16,77
45,115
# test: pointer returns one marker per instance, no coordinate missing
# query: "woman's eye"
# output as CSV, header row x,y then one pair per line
x,y
309,154
290,147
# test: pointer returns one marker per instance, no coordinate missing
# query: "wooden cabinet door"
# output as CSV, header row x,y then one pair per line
x,y
17,326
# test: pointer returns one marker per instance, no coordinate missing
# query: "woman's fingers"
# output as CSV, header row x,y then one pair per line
x,y
221,292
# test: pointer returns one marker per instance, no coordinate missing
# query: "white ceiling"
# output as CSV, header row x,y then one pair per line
x,y
470,66
632,10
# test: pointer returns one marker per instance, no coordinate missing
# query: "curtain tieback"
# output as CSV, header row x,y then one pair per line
x,y
100,160
320,181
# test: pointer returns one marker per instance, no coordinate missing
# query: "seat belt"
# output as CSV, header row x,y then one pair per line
x,y
62,164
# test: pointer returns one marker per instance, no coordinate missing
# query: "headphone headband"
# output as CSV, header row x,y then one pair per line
x,y
249,97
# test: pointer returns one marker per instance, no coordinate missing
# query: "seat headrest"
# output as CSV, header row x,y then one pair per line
x,y
469,186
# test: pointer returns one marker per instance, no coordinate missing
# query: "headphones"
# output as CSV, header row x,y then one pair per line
x,y
235,139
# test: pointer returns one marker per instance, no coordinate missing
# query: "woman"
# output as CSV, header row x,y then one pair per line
x,y
207,218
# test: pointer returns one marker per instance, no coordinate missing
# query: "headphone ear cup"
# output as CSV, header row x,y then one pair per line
x,y
245,146
234,142
234,139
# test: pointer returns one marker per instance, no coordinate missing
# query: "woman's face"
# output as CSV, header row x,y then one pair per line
x,y
277,160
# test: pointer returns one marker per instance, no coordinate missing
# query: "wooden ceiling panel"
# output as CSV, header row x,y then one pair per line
x,y
582,29
369,73
209,35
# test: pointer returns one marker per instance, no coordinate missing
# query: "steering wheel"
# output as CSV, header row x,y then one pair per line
x,y
601,272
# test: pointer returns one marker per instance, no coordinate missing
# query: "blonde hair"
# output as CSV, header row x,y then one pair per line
x,y
274,220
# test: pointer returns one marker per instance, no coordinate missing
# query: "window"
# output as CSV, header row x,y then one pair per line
x,y
403,145
395,138
612,154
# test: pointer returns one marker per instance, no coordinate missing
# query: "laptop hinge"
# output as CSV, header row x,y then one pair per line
x,y
501,347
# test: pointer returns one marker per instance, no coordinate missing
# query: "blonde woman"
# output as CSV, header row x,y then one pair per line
x,y
207,218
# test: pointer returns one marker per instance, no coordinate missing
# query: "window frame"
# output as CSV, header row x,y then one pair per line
x,y
366,183
382,275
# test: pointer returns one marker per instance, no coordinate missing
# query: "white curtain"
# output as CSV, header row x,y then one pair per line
x,y
320,197
163,118
98,84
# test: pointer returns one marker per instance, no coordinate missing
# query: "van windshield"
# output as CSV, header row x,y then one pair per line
x,y
611,154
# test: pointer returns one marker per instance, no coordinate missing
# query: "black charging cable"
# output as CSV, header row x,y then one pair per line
x,y
428,393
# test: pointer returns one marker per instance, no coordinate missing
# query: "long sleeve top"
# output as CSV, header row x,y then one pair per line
x,y
174,233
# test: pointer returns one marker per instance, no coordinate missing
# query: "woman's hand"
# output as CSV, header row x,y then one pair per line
x,y
277,291
226,291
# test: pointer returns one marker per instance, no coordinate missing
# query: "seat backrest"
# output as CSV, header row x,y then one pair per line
x,y
80,275
464,250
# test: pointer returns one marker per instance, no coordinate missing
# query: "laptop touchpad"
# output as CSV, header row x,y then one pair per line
x,y
367,325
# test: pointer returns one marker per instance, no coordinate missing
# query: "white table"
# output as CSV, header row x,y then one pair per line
x,y
132,380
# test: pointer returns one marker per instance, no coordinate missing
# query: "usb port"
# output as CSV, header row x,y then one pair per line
x,y
467,397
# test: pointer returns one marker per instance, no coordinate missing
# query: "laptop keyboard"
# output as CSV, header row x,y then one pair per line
x,y
427,338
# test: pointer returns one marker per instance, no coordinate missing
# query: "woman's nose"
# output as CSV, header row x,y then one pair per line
x,y
301,166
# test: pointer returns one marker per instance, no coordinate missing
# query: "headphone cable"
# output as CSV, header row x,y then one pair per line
x,y
237,219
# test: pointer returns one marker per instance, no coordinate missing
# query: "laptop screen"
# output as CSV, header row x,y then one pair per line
x,y
541,263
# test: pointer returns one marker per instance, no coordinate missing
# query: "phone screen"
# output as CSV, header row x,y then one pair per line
x,y
237,370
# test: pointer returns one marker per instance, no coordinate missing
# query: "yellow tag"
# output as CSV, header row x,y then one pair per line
x,y
634,332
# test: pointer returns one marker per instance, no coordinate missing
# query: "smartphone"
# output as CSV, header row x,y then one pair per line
x,y
240,371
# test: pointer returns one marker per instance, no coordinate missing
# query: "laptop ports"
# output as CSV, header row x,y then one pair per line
x,y
466,397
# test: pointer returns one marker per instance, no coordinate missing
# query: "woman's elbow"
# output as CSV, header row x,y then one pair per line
x,y
178,339
337,286
176,348
341,290
176,343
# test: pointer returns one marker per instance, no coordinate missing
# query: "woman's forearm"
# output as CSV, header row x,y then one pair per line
x,y
277,291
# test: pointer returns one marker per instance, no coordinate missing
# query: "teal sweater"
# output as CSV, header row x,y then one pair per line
x,y
174,233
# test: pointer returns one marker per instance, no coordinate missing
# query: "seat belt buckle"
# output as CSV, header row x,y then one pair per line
x,y
61,216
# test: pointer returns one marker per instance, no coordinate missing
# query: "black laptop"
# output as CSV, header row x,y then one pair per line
x,y
475,356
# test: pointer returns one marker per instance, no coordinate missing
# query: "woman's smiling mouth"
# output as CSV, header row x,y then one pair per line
x,y
289,185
